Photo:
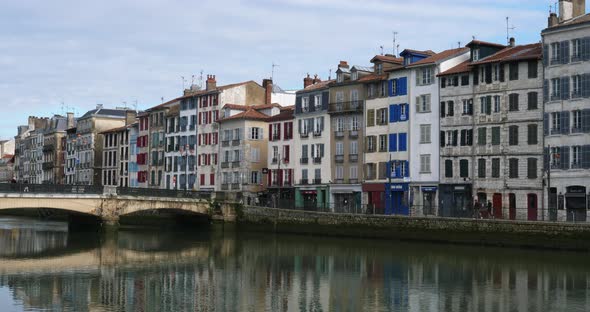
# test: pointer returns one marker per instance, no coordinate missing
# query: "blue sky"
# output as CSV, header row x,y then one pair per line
x,y
83,53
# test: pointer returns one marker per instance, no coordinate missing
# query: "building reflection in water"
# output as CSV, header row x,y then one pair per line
x,y
228,272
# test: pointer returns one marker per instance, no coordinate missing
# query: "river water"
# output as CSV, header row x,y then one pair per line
x,y
43,267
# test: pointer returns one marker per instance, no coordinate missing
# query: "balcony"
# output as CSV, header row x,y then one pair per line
x,y
235,164
353,158
339,181
48,148
235,186
225,143
304,160
275,160
339,134
577,129
317,134
224,187
353,181
317,160
339,159
275,137
235,142
287,183
225,165
304,181
353,134
304,134
346,107
317,181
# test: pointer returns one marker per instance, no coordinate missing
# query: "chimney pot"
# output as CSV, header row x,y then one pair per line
x,y
512,42
343,64
211,82
552,21
566,10
307,81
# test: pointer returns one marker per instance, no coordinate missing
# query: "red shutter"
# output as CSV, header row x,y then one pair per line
x,y
280,177
286,134
210,114
287,150
199,160
270,132
199,121
200,139
212,179
202,179
209,159
209,140
290,130
291,176
216,138
216,115
269,177
215,158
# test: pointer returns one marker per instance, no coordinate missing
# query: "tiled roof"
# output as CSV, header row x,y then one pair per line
x,y
440,56
372,77
388,59
518,53
120,128
317,86
292,107
574,21
284,115
163,105
250,114
266,106
459,69
235,106
427,52
105,112
237,85
7,156
479,42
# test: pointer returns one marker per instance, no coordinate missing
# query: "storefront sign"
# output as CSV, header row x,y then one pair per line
x,y
399,187
429,189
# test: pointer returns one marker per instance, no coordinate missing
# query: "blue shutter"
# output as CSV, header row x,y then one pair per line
x,y
546,124
396,111
402,86
390,85
407,173
391,113
546,55
325,100
403,142
565,52
393,142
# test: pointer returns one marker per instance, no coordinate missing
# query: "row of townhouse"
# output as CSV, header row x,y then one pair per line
x,y
424,133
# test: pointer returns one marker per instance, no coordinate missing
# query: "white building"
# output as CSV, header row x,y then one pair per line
x,y
424,123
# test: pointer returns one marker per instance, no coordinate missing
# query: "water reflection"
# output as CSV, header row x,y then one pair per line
x,y
228,271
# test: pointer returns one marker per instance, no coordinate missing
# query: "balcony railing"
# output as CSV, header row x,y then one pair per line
x,y
304,181
235,186
317,160
317,133
577,130
275,160
353,158
235,164
224,187
353,134
235,142
48,148
339,134
339,159
304,160
225,143
346,107
317,181
224,165
304,134
353,181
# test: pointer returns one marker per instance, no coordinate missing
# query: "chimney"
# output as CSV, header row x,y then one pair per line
x,y
31,122
267,85
129,117
579,8
566,10
552,21
307,81
70,120
316,79
343,64
211,83
512,42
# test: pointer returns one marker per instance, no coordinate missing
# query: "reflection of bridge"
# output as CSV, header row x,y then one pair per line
x,y
107,207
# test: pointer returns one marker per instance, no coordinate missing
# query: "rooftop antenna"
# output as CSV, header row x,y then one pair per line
x,y
272,75
330,75
394,42
162,99
192,80
459,44
397,49
135,105
201,80
124,104
183,82
381,47
508,29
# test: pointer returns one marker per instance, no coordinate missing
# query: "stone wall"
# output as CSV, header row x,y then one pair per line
x,y
462,231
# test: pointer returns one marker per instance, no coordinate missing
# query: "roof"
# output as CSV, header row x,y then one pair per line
x,y
571,22
368,69
120,128
464,67
427,52
266,106
250,114
436,58
7,156
479,42
292,107
317,86
372,77
388,59
106,112
284,115
518,53
236,107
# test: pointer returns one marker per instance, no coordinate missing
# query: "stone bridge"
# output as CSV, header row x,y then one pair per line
x,y
110,207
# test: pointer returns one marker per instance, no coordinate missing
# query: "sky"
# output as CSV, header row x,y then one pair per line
x,y
59,55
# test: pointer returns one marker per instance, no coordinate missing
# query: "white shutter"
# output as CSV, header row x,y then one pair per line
x,y
418,102
261,134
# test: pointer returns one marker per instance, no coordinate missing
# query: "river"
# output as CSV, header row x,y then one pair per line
x,y
43,267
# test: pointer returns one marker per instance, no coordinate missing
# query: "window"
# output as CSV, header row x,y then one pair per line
x,y
577,86
576,50
481,168
318,101
513,168
379,68
555,55
533,99
448,168
513,135
424,76
532,134
577,121
382,116
475,55
466,137
255,177
354,148
495,167
353,173
532,168
468,107
424,163
533,69
555,157
340,78
497,104
256,133
354,75
495,135
485,105
339,148
383,143
305,104
555,122
513,102
424,134
555,89
423,103
481,136
339,172
354,123
339,124
465,80
451,108
513,71
371,144
576,156
464,168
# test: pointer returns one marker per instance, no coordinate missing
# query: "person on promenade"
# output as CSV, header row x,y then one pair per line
x,y
476,207
490,214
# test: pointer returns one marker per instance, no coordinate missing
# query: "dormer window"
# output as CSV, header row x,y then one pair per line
x,y
475,55
305,104
355,75
340,78
407,61
379,68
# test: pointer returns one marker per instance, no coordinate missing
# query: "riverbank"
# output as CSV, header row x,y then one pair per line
x,y
522,234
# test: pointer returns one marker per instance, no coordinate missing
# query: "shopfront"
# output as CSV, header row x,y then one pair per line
x,y
455,200
575,203
375,197
398,199
312,198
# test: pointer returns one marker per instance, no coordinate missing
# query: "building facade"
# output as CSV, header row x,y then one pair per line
x,y
281,157
566,45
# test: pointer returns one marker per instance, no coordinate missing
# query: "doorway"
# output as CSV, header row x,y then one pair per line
x,y
512,206
532,207
497,204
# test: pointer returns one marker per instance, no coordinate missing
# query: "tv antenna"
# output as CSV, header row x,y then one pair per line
x,y
330,75
192,80
201,80
395,45
135,105
381,47
272,74
508,29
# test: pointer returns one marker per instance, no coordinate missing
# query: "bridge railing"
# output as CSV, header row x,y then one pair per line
x,y
145,192
50,188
